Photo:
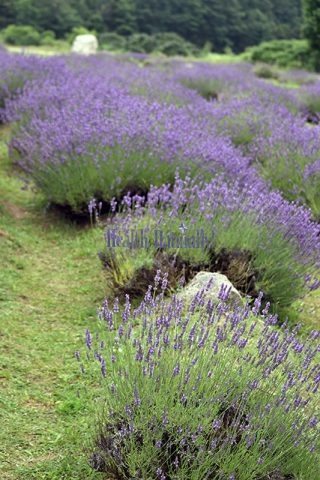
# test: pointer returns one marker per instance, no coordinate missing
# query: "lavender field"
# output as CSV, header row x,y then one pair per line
x,y
158,388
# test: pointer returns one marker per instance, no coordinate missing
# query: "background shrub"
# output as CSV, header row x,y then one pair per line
x,y
23,35
284,53
112,41
141,43
173,44
48,38
167,43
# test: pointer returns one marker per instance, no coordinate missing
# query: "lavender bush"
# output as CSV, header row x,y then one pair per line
x,y
252,119
79,138
280,244
18,70
170,410
78,135
270,129
215,81
289,158
310,97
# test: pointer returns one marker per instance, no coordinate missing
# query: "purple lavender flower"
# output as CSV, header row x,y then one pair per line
x,y
88,339
103,368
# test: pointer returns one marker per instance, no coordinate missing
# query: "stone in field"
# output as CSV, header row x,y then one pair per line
x,y
201,280
85,44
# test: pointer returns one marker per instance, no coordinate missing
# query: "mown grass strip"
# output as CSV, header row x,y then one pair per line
x,y
51,285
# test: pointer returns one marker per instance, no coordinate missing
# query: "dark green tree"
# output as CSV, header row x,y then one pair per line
x,y
232,23
119,16
7,13
311,28
56,15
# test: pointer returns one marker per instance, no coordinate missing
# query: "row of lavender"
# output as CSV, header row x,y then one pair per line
x,y
97,127
207,392
120,109
107,116
133,109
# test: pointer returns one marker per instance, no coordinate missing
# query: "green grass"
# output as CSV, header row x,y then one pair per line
x,y
51,285
62,47
212,57
44,50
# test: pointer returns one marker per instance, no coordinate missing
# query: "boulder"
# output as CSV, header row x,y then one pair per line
x,y
85,44
212,281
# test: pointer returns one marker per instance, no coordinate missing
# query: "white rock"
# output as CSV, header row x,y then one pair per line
x,y
85,44
201,281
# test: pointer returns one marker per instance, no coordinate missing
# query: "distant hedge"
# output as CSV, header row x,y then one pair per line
x,y
284,53
21,35
168,43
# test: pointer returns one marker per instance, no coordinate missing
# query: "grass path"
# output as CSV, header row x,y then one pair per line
x,y
51,285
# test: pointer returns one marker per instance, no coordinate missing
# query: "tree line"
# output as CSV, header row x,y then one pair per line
x,y
233,24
